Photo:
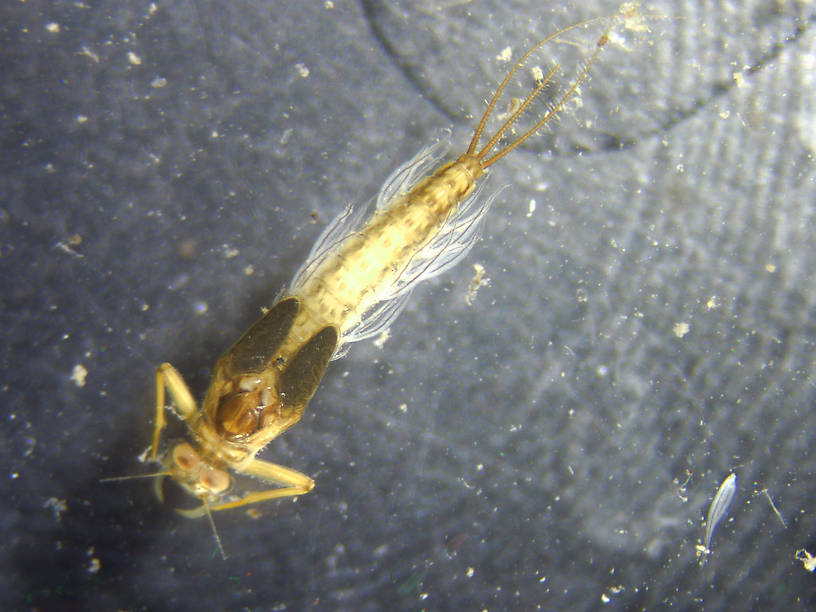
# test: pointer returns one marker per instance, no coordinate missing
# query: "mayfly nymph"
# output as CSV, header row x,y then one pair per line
x,y
717,511
354,283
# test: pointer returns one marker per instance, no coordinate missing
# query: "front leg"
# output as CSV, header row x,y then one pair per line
x,y
295,483
168,377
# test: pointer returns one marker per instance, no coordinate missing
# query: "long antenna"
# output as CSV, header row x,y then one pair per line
x,y
135,476
214,530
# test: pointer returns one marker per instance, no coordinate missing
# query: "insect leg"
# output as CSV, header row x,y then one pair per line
x,y
168,377
295,483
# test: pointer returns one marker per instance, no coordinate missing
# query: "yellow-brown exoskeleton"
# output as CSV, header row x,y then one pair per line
x,y
353,285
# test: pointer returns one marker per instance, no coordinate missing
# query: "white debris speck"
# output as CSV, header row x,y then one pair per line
x,y
303,70
470,572
249,270
382,338
134,59
381,551
479,280
58,506
808,560
680,329
505,54
79,374
531,208
287,134
81,118
142,458
329,5
53,27
94,566
88,53
537,73
158,82
200,307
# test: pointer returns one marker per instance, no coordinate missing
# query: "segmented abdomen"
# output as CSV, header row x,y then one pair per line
x,y
366,267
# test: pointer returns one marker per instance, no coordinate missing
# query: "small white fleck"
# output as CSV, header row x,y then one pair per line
x,y
287,134
302,69
531,208
680,329
94,566
382,338
158,82
381,551
88,53
58,506
505,54
808,560
479,280
52,27
79,374
134,59
470,572
81,118
200,307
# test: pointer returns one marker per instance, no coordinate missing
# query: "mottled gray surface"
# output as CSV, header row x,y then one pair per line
x,y
526,450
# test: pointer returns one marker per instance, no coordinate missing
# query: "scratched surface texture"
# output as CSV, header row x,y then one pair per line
x,y
647,329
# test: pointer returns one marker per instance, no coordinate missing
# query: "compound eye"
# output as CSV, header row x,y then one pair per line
x,y
185,457
214,480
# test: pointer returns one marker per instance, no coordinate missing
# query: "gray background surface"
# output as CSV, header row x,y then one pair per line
x,y
546,428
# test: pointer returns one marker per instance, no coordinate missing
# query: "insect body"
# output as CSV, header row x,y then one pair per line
x,y
353,285
716,511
